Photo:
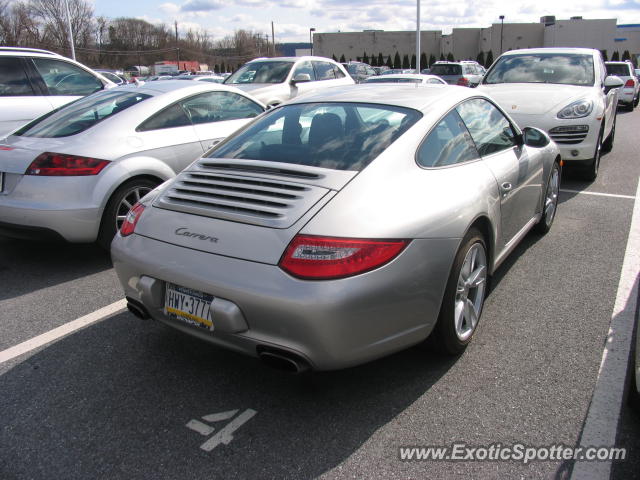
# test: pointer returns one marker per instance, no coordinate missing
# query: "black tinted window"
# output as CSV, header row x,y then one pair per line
x,y
64,78
489,128
342,136
448,143
170,117
618,69
220,106
13,79
446,69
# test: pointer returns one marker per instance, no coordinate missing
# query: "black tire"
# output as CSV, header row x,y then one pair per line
x,y
549,214
607,145
444,337
590,173
635,104
115,207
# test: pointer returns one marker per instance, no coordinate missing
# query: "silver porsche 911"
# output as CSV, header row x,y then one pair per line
x,y
342,226
76,172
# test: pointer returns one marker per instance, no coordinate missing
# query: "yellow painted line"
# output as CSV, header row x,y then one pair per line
x,y
204,321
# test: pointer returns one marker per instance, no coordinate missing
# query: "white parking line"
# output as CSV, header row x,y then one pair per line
x,y
600,194
601,425
62,330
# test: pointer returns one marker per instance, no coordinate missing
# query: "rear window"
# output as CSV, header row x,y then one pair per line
x,y
618,69
82,114
341,136
446,69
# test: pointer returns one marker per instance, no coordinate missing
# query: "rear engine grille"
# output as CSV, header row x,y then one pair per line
x,y
245,199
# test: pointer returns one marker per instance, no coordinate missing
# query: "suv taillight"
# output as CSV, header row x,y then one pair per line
x,y
462,81
629,83
63,165
131,220
323,258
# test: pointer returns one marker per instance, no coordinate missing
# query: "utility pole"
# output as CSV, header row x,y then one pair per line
x,y
273,40
311,30
177,47
73,48
418,37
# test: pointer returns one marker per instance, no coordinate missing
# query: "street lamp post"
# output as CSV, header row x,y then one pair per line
x,y
501,17
139,61
311,30
73,48
418,37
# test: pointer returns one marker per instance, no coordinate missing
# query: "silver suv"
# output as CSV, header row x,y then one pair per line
x,y
275,80
629,94
464,73
34,82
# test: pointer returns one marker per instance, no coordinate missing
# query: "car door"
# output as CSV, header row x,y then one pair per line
x,y
20,99
64,81
216,115
169,136
519,175
610,97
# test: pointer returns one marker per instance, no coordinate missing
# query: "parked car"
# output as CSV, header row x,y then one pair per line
x,y
76,172
464,73
359,71
276,80
629,94
202,78
34,82
395,71
563,91
407,78
341,226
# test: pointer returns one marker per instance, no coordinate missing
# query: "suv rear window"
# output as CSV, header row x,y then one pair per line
x,y
446,69
81,115
618,69
341,136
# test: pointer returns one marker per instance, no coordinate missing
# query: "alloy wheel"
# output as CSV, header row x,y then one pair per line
x,y
551,201
130,198
470,290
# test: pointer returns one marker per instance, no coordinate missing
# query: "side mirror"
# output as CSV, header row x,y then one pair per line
x,y
301,77
534,137
612,82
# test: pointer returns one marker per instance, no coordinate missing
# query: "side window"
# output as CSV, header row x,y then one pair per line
x,y
434,80
448,143
337,72
489,128
63,78
324,71
219,106
304,67
170,117
13,79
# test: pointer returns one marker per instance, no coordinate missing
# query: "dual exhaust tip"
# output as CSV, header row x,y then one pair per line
x,y
275,358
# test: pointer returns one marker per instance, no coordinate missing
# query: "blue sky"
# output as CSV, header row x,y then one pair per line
x,y
293,18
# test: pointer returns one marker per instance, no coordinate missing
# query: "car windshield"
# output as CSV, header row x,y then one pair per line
x,y
393,80
82,114
619,69
340,136
261,72
559,68
446,69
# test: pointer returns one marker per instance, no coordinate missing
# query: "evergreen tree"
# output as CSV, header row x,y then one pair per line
x,y
365,58
615,57
216,69
432,59
605,57
489,59
334,58
223,69
442,57
396,61
342,59
480,58
374,61
423,61
413,61
389,62
626,56
405,61
450,57
380,59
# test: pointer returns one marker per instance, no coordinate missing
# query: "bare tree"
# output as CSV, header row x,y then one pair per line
x,y
52,15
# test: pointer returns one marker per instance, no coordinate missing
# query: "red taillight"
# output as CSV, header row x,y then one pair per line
x,y
62,165
462,81
129,225
629,83
321,258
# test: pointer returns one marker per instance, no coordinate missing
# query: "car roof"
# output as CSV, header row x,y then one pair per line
x,y
167,86
292,59
29,52
415,96
585,51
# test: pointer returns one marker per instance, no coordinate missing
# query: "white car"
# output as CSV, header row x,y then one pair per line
x,y
275,80
34,82
563,91
407,78
629,94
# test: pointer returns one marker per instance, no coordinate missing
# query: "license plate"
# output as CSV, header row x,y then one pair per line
x,y
188,306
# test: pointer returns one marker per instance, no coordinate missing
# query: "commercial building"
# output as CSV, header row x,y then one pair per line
x,y
469,43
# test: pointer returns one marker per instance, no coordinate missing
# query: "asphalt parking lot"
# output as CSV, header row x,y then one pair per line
x,y
113,400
